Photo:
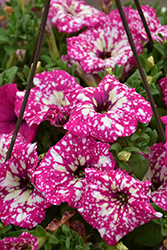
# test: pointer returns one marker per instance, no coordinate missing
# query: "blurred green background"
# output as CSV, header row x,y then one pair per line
x,y
150,2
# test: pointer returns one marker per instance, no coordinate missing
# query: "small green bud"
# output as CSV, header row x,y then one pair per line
x,y
109,71
124,156
149,79
139,131
121,246
149,63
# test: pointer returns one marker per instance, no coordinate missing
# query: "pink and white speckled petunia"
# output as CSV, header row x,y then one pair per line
x,y
8,116
163,86
103,46
115,203
21,203
24,241
157,174
60,175
134,21
71,15
108,111
46,100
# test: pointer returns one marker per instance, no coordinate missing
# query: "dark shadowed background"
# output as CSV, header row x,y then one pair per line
x,y
150,2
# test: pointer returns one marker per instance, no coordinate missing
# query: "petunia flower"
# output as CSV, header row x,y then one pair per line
x,y
135,22
46,100
24,241
115,203
5,140
157,174
60,175
108,111
163,86
8,116
21,203
103,46
71,15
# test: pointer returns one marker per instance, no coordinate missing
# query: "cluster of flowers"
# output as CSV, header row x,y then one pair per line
x,y
79,169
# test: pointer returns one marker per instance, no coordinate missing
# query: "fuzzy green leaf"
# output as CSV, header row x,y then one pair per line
x,y
139,165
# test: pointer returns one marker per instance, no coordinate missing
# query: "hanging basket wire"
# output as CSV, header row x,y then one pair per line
x,y
37,50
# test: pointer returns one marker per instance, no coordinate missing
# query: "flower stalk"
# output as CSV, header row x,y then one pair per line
x,y
50,39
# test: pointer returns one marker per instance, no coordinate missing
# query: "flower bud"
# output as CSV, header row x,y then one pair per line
x,y
106,5
149,79
109,71
17,56
37,68
124,156
149,63
121,246
50,39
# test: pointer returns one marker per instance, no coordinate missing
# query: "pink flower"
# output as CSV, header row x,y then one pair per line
x,y
163,86
20,202
8,116
61,173
103,46
157,174
47,100
24,241
71,15
115,203
108,111
135,22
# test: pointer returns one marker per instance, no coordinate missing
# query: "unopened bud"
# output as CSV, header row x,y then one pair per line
x,y
37,68
149,63
121,246
109,71
149,79
17,56
124,156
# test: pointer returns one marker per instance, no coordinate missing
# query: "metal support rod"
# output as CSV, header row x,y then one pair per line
x,y
144,23
141,71
30,80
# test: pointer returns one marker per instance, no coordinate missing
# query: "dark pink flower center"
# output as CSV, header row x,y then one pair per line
x,y
122,197
155,184
24,247
104,54
103,107
25,184
79,173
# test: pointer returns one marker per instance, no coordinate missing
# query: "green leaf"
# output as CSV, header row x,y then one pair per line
x,y
53,240
26,71
47,246
132,149
101,74
4,35
153,138
81,241
124,166
134,137
41,231
34,233
20,75
16,233
67,242
116,147
3,13
142,60
139,165
160,48
150,234
8,75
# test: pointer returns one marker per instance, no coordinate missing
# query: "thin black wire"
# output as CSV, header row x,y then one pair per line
x,y
30,81
141,71
144,23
